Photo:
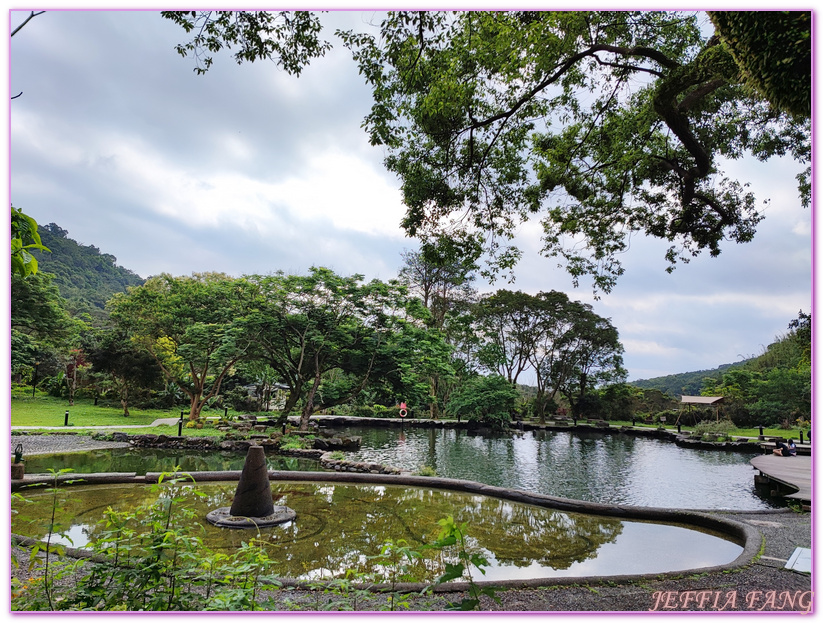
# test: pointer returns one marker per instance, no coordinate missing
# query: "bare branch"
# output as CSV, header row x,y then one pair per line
x,y
33,15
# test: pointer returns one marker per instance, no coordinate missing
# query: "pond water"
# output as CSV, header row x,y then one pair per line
x,y
143,460
342,526
591,466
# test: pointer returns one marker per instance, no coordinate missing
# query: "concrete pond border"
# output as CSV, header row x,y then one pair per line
x,y
747,535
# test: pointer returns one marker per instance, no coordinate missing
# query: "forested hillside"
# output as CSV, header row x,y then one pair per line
x,y
684,383
773,388
85,277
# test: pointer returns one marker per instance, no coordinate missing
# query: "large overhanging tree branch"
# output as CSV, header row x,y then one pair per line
x,y
602,124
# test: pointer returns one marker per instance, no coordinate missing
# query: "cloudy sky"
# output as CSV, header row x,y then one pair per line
x,y
250,170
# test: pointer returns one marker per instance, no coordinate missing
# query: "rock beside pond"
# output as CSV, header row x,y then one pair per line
x,y
168,441
361,467
338,443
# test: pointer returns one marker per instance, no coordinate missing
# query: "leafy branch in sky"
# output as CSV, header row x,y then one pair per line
x,y
603,125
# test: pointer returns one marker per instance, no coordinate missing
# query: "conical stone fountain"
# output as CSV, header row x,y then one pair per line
x,y
252,506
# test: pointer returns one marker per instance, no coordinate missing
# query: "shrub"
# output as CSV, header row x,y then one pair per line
x,y
721,428
296,442
487,400
426,470
362,411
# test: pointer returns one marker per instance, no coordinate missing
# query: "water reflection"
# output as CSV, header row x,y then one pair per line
x,y
143,460
342,527
592,466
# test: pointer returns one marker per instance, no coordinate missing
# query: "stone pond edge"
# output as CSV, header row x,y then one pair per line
x,y
749,536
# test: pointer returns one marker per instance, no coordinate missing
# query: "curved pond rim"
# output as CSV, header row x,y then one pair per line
x,y
744,534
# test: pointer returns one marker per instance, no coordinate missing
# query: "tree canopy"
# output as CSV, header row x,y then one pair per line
x,y
602,124
192,328
774,52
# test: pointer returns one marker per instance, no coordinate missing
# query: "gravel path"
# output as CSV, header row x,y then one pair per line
x,y
765,585
50,444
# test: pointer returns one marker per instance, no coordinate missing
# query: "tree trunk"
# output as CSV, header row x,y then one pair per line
x,y
195,406
291,401
540,403
309,406
433,410
124,401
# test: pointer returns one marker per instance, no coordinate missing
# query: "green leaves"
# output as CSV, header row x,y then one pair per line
x,y
288,38
608,124
24,239
454,535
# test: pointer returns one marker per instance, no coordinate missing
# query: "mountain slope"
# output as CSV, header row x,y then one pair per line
x,y
85,277
685,383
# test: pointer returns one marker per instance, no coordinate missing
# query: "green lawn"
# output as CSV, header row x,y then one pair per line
x,y
45,411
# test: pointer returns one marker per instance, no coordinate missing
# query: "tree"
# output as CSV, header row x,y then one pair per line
x,y
605,123
38,310
443,281
507,326
422,364
555,328
486,400
592,356
192,326
308,326
440,279
289,38
128,367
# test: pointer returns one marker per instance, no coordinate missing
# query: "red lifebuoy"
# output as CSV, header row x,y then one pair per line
x,y
402,413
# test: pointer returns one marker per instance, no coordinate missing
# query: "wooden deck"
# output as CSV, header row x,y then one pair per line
x,y
794,471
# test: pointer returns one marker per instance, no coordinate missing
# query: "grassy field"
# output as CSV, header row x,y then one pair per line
x,y
45,411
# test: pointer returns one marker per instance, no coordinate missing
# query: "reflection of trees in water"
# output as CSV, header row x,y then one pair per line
x,y
343,527
585,465
76,506
142,460
520,535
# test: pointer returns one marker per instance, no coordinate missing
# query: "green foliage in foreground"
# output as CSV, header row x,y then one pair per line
x,y
156,559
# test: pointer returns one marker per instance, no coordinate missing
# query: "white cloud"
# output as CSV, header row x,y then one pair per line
x,y
249,169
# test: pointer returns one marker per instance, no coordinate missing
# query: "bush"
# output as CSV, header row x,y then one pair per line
x,y
362,411
296,442
721,428
239,400
487,400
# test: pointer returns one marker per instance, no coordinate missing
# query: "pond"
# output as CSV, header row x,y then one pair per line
x,y
143,460
590,466
342,526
